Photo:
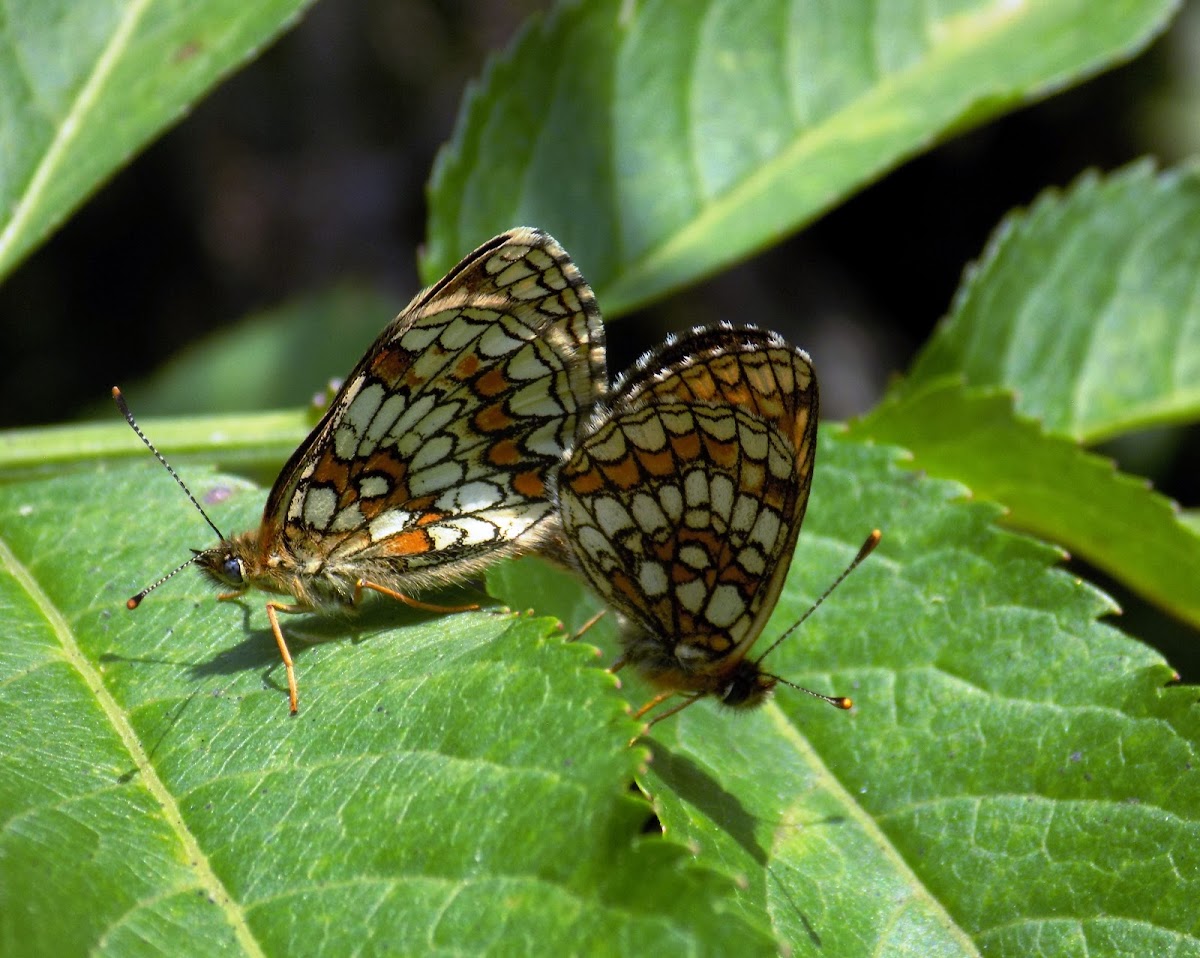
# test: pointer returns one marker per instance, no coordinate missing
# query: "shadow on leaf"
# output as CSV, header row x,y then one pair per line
x,y
694,785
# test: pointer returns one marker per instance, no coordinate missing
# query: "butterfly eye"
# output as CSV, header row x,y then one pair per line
x,y
746,687
233,570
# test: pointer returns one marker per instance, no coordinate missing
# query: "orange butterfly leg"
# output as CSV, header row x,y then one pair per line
x,y
658,699
407,600
689,699
587,625
272,608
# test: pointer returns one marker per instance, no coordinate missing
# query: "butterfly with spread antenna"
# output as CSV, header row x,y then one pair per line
x,y
435,457
682,503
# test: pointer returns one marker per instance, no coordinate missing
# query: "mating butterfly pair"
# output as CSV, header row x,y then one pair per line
x,y
472,430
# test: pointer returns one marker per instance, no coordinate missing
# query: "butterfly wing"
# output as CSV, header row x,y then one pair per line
x,y
683,503
435,454
739,366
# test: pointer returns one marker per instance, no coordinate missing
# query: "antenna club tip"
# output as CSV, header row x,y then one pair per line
x,y
843,703
116,392
867,547
133,603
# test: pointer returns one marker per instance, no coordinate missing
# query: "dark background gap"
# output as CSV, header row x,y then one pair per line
x,y
309,166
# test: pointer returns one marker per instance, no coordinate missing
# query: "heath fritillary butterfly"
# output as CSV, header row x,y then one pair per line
x,y
683,501
434,458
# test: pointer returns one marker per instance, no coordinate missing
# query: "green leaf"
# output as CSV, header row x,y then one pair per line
x,y
84,86
1086,306
1012,768
452,783
272,360
1191,519
1014,778
257,438
1049,486
266,362
663,141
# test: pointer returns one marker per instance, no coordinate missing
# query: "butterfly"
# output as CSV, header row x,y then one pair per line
x,y
682,503
434,458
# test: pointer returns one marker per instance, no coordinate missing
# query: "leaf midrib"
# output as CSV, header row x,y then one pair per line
x,y
870,826
70,126
148,775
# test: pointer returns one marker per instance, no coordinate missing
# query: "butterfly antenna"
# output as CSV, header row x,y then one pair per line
x,y
867,548
837,701
119,399
136,600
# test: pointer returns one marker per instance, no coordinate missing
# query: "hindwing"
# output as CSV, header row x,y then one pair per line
x,y
684,499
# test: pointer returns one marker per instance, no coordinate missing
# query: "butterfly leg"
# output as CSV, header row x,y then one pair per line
x,y
407,600
587,625
689,699
272,609
658,699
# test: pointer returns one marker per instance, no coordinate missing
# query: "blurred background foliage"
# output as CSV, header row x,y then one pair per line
x,y
295,194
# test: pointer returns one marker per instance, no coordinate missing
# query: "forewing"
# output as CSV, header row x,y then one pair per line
x,y
439,446
753,368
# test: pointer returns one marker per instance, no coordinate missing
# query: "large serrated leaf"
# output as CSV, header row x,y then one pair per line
x,y
661,141
1009,762
1086,306
453,783
1014,779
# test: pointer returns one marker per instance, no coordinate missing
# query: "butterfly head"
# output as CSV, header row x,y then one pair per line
x,y
699,666
703,666
222,566
745,686
234,564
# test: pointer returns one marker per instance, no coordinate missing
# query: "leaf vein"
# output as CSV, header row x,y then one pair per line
x,y
119,721
70,126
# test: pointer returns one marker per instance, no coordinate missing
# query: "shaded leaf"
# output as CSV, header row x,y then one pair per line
x,y
265,363
1086,306
84,86
272,360
661,141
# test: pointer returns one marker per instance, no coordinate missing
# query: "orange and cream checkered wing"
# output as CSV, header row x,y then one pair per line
x,y
437,451
683,502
